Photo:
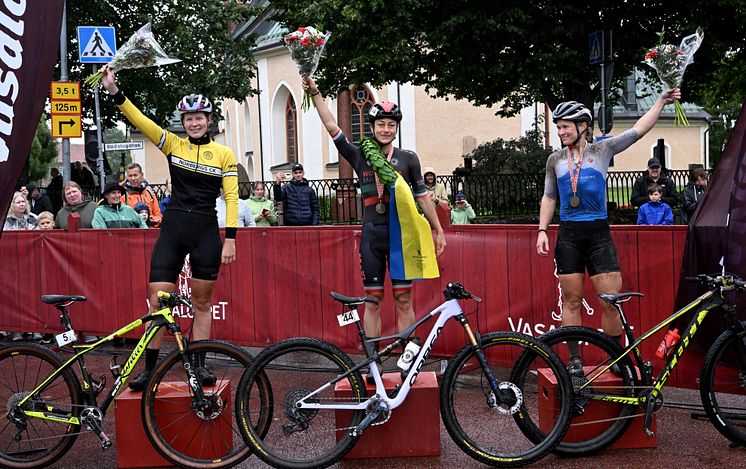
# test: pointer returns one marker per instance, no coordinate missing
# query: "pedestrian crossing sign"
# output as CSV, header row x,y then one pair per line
x,y
96,44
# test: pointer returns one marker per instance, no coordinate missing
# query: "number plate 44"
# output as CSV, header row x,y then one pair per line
x,y
345,319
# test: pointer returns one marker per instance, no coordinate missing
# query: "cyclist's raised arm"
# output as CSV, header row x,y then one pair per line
x,y
318,100
646,122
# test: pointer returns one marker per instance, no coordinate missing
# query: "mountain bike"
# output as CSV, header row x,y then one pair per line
x,y
320,404
188,416
623,382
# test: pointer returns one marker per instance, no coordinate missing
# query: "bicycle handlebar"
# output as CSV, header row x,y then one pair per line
x,y
725,281
172,299
456,291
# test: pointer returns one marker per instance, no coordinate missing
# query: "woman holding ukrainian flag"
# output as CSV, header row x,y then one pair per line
x,y
393,229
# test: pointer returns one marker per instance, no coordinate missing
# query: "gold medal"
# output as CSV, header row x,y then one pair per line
x,y
574,176
380,208
574,201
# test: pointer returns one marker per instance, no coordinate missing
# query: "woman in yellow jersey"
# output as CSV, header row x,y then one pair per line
x,y
199,168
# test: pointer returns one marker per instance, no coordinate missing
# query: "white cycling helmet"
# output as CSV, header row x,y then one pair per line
x,y
194,103
575,112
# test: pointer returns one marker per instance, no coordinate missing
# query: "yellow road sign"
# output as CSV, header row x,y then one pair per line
x,y
65,107
66,126
65,90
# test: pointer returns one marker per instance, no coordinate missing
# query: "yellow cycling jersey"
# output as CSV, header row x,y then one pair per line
x,y
198,168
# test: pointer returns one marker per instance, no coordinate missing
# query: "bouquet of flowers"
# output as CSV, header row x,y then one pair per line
x,y
141,50
671,61
306,46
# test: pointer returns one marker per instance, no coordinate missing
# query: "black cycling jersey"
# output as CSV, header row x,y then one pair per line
x,y
406,164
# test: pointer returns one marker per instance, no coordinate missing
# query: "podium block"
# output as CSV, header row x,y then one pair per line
x,y
133,446
634,437
412,430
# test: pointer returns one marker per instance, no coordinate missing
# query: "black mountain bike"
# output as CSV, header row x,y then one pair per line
x,y
624,381
191,422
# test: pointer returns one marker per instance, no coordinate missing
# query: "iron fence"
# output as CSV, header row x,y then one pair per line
x,y
497,198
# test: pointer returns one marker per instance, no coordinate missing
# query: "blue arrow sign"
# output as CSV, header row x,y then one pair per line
x,y
96,44
596,47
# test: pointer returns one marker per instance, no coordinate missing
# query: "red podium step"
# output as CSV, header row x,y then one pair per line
x,y
133,446
412,430
634,437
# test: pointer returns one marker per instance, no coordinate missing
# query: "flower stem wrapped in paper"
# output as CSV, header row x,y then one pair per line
x,y
306,46
670,62
141,50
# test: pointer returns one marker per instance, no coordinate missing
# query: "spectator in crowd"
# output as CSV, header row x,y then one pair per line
x,y
74,202
144,212
693,193
45,221
436,190
301,205
54,190
245,217
261,207
655,212
112,213
76,172
86,175
462,213
38,200
654,176
163,204
137,190
19,216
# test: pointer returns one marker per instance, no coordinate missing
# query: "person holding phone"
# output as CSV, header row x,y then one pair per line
x,y
262,208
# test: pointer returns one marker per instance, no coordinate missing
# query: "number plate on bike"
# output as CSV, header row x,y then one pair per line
x,y
65,338
347,318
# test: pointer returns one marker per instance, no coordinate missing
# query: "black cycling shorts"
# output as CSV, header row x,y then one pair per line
x,y
185,233
585,245
374,253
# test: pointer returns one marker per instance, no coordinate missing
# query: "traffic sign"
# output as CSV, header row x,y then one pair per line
x,y
96,44
122,146
596,47
66,126
65,107
65,90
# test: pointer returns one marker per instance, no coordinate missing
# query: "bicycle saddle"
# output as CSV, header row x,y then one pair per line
x,y
352,300
59,299
615,298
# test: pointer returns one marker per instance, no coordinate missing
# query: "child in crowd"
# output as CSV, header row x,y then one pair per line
x,y
655,212
462,213
45,221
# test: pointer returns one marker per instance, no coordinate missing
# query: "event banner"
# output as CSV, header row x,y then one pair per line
x,y
29,42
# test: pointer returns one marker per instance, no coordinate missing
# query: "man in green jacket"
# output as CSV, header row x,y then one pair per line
x,y
112,213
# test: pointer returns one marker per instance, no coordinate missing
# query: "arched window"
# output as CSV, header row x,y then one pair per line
x,y
361,103
291,130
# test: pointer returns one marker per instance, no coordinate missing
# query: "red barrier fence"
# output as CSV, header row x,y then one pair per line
x,y
279,286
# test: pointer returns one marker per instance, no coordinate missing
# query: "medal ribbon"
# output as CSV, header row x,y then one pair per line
x,y
574,175
379,186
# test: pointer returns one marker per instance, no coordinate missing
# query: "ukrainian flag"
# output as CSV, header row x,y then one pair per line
x,y
412,251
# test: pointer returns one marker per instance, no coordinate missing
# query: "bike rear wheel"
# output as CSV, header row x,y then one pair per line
x,y
30,441
303,438
487,429
595,425
722,385
201,434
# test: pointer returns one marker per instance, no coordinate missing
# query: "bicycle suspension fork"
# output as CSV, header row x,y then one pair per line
x,y
501,396
189,365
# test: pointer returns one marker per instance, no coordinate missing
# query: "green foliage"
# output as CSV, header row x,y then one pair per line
x,y
44,150
196,31
523,155
117,165
515,52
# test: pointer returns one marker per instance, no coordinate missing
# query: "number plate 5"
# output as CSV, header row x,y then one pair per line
x,y
65,338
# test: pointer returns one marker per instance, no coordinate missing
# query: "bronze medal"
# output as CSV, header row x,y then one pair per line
x,y
574,201
380,208
574,176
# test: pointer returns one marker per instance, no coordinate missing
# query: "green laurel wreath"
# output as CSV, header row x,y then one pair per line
x,y
377,161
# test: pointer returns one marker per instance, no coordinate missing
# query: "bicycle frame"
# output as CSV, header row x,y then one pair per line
x,y
158,319
449,309
703,304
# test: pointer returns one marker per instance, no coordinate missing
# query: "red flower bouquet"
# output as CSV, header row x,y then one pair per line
x,y
306,46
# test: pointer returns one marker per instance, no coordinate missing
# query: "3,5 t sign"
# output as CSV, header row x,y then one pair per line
x,y
65,90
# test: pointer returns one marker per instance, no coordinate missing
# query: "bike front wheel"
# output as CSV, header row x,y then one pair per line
x,y
298,370
485,423
201,433
722,385
27,441
595,424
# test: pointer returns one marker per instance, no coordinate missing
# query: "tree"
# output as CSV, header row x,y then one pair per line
x,y
118,160
44,150
515,52
197,31
526,154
